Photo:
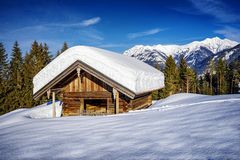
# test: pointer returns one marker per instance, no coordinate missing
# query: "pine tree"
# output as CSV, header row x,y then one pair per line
x,y
3,63
190,78
183,74
64,48
3,77
34,61
44,56
187,77
236,87
171,77
15,82
200,85
221,75
16,67
233,77
207,85
58,53
28,70
211,74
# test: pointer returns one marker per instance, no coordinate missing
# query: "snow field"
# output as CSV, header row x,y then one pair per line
x,y
182,126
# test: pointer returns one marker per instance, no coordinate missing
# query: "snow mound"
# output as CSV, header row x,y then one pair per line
x,y
45,110
131,73
179,98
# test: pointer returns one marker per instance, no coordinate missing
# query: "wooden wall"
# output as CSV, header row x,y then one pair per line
x,y
88,83
89,95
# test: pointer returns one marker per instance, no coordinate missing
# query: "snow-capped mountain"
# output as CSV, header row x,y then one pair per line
x,y
197,53
230,54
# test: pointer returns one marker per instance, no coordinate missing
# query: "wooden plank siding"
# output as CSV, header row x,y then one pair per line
x,y
141,102
88,84
89,95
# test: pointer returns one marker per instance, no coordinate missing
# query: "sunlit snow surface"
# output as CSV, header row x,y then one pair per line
x,y
183,126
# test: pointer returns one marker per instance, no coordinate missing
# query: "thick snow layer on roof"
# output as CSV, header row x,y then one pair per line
x,y
182,126
127,71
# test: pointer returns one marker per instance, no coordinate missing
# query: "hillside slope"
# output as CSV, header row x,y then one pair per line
x,y
183,126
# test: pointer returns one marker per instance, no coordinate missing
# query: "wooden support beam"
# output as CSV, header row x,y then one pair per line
x,y
81,105
53,105
56,90
107,109
48,94
87,95
117,102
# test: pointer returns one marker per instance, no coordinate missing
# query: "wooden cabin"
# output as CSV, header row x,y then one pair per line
x,y
97,85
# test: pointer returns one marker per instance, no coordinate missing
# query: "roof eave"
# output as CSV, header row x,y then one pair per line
x,y
91,71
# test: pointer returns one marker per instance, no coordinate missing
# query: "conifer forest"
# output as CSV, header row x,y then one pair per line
x,y
17,72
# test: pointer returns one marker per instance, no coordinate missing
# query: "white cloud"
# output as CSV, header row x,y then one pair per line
x,y
48,26
91,21
144,33
217,9
230,33
83,23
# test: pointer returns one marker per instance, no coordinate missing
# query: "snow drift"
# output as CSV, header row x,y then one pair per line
x,y
45,110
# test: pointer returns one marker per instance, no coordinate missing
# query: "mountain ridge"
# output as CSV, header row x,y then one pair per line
x,y
197,53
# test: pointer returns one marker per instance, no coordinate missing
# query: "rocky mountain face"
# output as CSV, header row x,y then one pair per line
x,y
197,54
230,54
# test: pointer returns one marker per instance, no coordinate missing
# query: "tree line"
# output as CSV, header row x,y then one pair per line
x,y
17,72
219,78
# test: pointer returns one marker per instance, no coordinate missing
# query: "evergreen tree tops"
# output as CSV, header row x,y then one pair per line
x,y
3,77
64,48
16,67
38,57
3,63
171,74
16,82
187,77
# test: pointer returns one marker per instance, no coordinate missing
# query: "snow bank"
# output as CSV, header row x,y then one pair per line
x,y
190,127
127,71
45,111
181,98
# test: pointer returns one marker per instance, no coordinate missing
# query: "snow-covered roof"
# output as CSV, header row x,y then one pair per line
x,y
129,72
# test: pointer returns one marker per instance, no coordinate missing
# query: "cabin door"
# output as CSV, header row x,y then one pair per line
x,y
95,106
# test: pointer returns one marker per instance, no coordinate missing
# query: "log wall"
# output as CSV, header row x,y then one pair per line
x,y
89,95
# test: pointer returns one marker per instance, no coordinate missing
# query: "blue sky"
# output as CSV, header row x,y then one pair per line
x,y
116,25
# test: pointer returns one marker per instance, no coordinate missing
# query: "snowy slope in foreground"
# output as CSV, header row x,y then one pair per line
x,y
183,126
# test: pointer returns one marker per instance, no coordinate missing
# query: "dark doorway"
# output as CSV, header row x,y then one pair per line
x,y
95,106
